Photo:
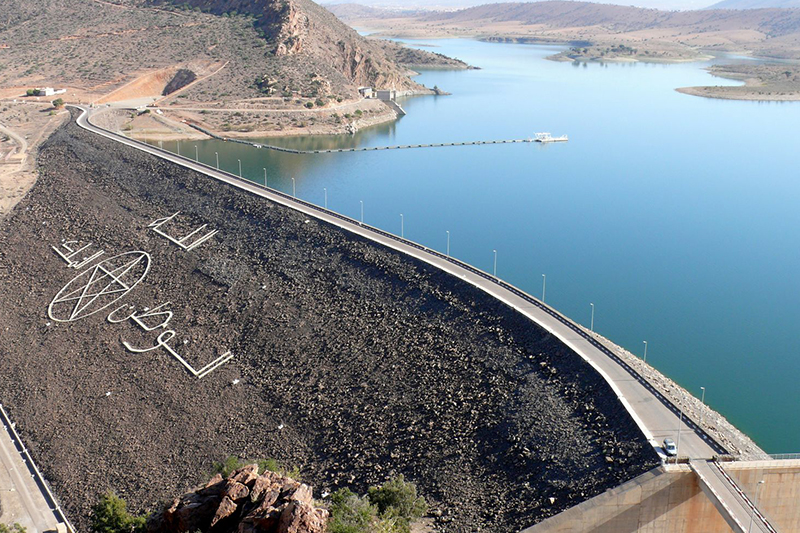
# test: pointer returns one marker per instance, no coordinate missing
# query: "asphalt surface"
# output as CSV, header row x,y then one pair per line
x,y
21,498
656,416
725,492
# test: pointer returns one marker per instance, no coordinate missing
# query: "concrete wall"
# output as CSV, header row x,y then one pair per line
x,y
779,496
669,500
659,501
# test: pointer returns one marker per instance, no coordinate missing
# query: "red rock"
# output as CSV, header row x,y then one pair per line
x,y
262,485
235,490
214,480
246,475
300,517
226,508
276,504
302,493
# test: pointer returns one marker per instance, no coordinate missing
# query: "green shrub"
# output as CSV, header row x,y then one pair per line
x,y
110,515
397,499
390,508
16,528
309,104
351,513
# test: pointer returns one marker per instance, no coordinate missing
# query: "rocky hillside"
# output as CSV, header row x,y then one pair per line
x,y
663,35
617,18
243,502
236,49
755,4
301,34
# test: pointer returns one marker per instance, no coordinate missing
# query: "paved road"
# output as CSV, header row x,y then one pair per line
x,y
21,498
21,142
655,415
737,509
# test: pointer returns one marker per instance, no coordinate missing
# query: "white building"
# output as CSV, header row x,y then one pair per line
x,y
48,91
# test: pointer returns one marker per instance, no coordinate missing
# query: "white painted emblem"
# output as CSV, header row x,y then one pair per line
x,y
99,286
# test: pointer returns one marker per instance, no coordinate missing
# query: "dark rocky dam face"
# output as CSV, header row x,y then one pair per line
x,y
239,326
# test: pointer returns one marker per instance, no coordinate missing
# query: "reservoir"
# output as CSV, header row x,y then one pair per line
x,y
676,216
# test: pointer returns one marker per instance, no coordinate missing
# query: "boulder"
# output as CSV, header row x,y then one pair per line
x,y
244,502
300,517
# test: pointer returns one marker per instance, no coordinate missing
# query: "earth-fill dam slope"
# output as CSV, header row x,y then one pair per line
x,y
354,362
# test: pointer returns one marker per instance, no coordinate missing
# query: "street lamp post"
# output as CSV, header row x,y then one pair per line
x,y
325,190
494,272
544,286
402,229
645,351
179,148
265,176
294,190
196,154
160,145
448,243
702,401
240,167
591,324
680,423
216,154
755,504
362,210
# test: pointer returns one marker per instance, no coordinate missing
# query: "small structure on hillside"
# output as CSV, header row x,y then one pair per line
x,y
48,91
387,94
366,92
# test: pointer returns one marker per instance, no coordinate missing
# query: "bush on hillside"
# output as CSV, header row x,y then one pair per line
x,y
110,515
390,508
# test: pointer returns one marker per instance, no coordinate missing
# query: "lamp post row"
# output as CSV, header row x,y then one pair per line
x,y
402,235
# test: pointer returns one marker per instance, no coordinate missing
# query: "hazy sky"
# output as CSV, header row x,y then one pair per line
x,y
450,4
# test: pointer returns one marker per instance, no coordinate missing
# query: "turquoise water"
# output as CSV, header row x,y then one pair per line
x,y
676,216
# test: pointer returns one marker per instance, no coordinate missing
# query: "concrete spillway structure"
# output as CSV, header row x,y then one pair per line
x,y
675,499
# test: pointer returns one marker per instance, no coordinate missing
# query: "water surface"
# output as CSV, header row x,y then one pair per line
x,y
676,216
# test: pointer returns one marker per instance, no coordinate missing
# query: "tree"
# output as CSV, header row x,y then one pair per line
x,y
58,103
30,92
351,513
110,515
398,498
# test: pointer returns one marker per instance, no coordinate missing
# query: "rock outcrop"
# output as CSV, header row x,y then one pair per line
x,y
244,502
302,32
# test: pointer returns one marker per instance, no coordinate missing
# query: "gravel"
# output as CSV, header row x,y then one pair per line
x,y
354,362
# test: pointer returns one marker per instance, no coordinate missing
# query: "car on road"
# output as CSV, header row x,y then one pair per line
x,y
670,448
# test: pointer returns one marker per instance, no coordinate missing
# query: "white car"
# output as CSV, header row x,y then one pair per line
x,y
670,448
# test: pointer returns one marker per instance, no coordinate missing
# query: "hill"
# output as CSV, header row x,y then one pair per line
x,y
755,4
291,65
268,46
601,29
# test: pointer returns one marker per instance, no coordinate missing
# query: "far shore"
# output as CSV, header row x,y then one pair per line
x,y
176,123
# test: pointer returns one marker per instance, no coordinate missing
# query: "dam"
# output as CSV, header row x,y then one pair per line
x,y
705,480
653,411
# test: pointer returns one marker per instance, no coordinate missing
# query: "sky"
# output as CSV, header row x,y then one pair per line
x,y
451,4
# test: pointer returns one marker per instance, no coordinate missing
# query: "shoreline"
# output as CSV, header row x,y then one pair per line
x,y
717,93
177,124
